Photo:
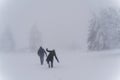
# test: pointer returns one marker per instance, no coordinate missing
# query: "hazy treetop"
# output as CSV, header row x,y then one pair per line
x,y
60,21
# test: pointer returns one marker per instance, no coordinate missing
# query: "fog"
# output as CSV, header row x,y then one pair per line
x,y
62,23
55,24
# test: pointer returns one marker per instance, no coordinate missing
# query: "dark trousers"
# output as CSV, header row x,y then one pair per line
x,y
41,60
50,65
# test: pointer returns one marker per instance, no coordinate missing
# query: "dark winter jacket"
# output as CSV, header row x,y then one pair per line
x,y
51,55
41,52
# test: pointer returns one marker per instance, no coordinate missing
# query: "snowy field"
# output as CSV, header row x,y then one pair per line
x,y
73,66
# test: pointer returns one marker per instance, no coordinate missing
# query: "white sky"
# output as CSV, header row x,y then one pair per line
x,y
61,22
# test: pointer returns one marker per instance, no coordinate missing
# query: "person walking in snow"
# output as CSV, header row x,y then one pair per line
x,y
50,57
41,53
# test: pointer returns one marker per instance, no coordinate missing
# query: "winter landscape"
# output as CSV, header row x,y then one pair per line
x,y
84,33
73,66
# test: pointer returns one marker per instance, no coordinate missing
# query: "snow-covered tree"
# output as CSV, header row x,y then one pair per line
x,y
35,39
7,42
104,30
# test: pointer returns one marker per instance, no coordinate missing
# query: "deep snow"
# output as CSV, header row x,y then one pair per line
x,y
73,66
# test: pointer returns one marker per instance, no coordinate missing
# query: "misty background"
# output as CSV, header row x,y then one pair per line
x,y
82,32
60,24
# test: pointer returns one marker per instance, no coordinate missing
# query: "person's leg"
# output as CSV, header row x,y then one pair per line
x,y
41,60
48,62
52,64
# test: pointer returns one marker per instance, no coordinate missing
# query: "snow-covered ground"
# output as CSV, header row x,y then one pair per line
x,y
73,66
